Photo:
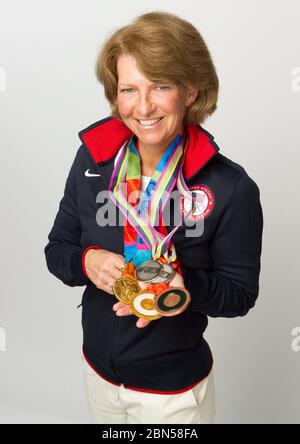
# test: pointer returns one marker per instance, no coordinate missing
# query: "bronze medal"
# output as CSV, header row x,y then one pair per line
x,y
172,301
143,305
124,289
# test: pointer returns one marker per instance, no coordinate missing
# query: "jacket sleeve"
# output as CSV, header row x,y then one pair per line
x,y
64,253
232,287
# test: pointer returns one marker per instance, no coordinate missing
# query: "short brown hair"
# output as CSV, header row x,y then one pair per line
x,y
166,48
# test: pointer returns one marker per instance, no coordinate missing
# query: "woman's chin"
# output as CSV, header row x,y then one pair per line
x,y
150,138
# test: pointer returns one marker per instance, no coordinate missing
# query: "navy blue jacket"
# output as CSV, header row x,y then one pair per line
x,y
220,267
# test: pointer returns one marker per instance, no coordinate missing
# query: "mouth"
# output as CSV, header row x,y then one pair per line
x,y
149,123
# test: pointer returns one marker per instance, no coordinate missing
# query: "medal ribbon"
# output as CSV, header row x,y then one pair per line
x,y
168,173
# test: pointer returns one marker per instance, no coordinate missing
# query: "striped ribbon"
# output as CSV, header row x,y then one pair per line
x,y
158,244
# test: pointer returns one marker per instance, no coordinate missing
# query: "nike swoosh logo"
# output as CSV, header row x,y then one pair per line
x,y
87,174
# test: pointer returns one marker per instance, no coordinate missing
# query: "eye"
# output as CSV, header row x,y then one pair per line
x,y
127,90
163,87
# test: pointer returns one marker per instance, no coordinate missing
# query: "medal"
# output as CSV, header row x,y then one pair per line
x,y
147,271
154,272
166,274
125,288
143,305
172,301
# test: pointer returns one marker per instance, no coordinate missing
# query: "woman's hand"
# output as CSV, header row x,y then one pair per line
x,y
122,309
103,268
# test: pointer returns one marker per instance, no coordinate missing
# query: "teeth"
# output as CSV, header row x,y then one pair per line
x,y
149,122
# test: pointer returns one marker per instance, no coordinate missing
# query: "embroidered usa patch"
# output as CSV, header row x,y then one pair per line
x,y
204,205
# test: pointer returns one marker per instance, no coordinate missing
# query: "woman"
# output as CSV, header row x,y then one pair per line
x,y
153,278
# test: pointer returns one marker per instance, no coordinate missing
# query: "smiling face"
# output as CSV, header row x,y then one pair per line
x,y
153,112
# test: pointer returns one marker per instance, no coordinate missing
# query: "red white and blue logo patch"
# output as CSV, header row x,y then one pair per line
x,y
204,204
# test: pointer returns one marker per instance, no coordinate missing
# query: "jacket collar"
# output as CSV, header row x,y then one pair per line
x,y
104,138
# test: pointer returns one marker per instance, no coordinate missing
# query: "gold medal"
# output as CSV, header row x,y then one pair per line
x,y
143,305
124,289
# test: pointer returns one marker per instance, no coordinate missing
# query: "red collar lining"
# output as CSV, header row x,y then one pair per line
x,y
104,138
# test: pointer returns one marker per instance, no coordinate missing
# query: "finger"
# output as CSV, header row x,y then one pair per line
x,y
109,282
108,289
122,258
118,262
141,323
124,311
121,307
116,269
115,273
115,306
118,305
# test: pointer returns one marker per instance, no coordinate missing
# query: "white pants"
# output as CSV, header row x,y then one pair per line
x,y
111,404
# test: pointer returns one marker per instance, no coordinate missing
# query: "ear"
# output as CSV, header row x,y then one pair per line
x,y
191,95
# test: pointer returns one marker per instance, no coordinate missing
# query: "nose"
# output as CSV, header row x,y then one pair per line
x,y
144,105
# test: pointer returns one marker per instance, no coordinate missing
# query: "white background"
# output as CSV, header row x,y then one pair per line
x,y
49,93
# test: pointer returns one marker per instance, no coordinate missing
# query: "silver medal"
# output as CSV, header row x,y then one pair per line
x,y
148,271
166,274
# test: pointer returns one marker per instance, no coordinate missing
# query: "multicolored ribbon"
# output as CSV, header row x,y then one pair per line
x,y
141,240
